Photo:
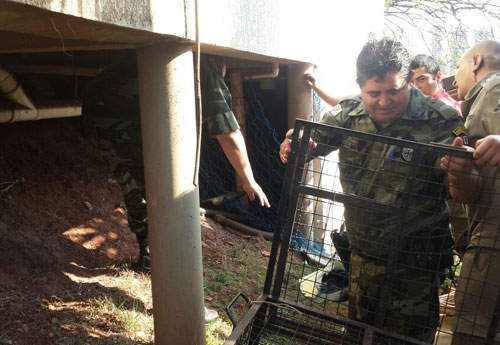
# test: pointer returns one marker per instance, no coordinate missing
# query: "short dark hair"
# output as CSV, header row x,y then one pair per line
x,y
379,57
427,62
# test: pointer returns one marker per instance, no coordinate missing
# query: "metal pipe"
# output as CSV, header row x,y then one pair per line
x,y
11,88
273,74
168,120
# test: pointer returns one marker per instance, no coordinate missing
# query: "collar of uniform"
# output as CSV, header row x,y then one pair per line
x,y
479,85
417,107
359,110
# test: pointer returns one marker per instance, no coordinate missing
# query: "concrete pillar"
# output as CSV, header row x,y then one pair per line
x,y
300,106
299,94
166,90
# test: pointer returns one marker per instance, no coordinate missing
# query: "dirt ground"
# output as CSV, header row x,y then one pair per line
x,y
64,231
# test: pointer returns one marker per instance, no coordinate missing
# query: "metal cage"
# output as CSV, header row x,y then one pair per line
x,y
358,200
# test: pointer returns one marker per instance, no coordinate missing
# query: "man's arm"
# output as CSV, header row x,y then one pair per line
x,y
311,81
235,150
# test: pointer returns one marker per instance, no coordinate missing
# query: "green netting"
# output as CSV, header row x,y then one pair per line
x,y
217,177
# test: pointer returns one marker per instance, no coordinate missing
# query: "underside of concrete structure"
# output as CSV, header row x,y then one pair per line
x,y
138,59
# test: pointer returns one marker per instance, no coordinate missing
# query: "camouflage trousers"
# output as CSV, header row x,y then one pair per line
x,y
125,161
411,299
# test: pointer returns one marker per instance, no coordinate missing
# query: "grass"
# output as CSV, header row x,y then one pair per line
x,y
125,309
128,306
217,331
244,271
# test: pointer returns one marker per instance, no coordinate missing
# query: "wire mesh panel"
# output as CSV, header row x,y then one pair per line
x,y
384,260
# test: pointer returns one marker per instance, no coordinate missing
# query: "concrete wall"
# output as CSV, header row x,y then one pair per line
x,y
289,29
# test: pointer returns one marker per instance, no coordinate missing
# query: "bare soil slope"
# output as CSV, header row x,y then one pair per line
x,y
63,230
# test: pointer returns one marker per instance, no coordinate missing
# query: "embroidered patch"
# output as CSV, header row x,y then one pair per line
x,y
417,114
459,131
336,110
407,154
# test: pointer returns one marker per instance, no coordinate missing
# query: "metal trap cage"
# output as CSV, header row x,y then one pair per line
x,y
373,208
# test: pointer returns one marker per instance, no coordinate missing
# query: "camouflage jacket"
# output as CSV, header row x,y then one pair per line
x,y
379,171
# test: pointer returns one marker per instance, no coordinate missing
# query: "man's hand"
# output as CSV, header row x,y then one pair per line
x,y
455,165
310,81
488,151
286,145
253,191
464,179
233,145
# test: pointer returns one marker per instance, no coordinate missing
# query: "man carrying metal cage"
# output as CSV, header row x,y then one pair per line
x,y
390,106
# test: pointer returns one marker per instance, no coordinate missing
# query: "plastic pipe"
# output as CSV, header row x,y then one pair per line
x,y
11,88
47,111
273,74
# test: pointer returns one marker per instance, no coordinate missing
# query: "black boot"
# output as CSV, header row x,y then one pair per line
x,y
143,263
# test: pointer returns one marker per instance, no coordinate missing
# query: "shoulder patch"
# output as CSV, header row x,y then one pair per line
x,y
459,131
350,103
336,110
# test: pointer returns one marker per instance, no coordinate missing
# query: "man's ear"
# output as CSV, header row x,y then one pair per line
x,y
438,77
412,74
478,62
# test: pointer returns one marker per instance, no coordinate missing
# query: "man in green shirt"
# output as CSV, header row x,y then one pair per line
x,y
220,122
390,106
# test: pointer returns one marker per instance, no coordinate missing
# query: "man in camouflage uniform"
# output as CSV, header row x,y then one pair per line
x,y
476,319
220,122
119,142
390,106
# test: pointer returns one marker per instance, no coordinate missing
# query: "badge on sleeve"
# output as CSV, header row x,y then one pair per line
x,y
407,154
461,131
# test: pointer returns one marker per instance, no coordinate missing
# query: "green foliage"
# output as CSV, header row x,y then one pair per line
x,y
442,27
389,3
